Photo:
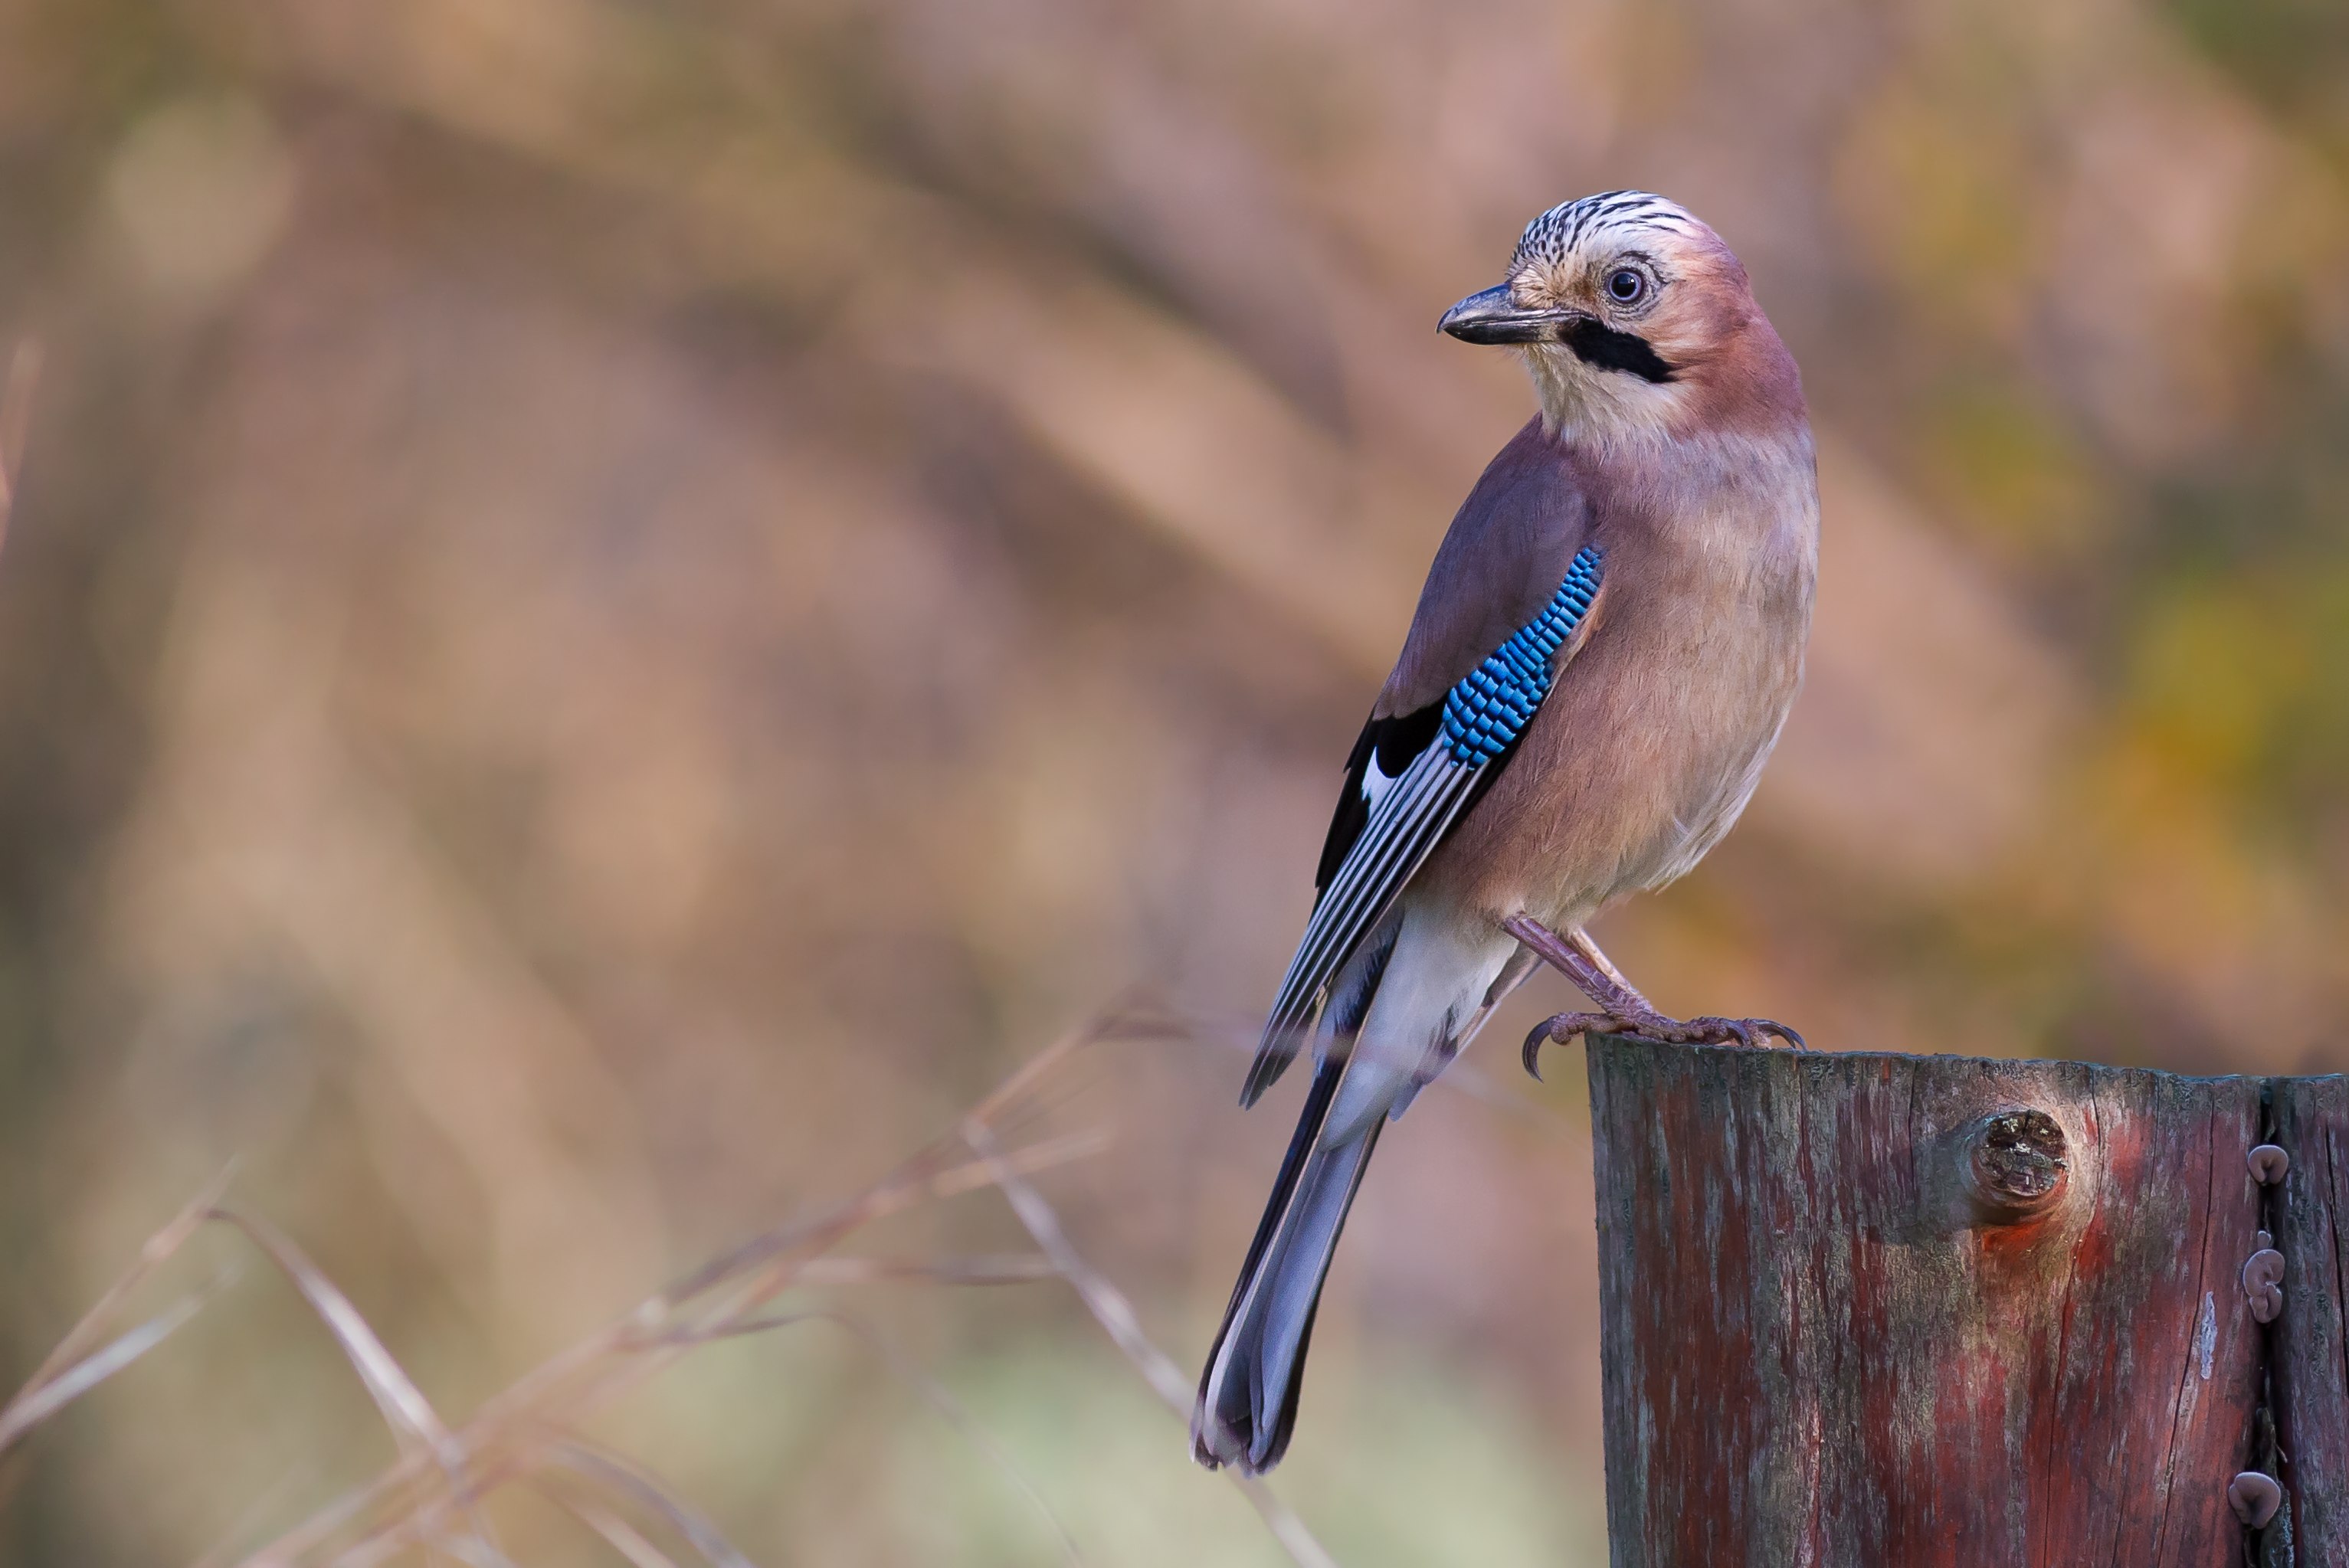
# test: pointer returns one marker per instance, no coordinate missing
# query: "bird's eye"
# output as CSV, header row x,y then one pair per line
x,y
1624,285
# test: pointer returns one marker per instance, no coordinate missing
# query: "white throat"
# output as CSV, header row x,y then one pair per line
x,y
1583,400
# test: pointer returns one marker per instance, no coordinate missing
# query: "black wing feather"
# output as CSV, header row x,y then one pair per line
x,y
1394,742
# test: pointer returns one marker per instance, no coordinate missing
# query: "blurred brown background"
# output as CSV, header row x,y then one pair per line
x,y
619,604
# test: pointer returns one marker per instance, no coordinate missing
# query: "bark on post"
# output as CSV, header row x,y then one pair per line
x,y
1879,1310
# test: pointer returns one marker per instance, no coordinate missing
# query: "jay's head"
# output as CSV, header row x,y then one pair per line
x,y
1632,314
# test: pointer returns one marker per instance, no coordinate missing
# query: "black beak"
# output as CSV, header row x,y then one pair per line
x,y
1490,317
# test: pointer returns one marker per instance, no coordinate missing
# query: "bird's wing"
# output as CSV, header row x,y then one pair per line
x,y
1411,778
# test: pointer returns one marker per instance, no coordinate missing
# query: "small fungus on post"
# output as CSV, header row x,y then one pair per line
x,y
2254,1498
2264,1284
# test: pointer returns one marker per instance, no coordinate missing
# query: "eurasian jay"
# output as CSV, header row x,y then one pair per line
x,y
1607,645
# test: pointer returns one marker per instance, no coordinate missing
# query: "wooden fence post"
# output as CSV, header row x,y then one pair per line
x,y
1891,1312
2309,1212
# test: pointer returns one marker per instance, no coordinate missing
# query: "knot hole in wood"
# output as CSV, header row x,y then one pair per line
x,y
2016,1163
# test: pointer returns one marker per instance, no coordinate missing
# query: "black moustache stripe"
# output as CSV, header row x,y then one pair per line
x,y
1594,343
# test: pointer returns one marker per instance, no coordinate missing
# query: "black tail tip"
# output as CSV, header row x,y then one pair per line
x,y
1217,1442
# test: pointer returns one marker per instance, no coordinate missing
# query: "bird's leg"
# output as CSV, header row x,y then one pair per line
x,y
1577,958
1623,1010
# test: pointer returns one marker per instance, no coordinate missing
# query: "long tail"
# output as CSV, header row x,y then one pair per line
x,y
1247,1396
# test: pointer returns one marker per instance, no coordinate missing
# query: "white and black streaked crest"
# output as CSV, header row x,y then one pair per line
x,y
1559,232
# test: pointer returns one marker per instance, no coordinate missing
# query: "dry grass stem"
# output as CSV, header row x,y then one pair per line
x,y
430,1496
153,1253
38,1403
619,1533
416,1427
72,1369
612,1474
1103,1300
410,1416
1117,1315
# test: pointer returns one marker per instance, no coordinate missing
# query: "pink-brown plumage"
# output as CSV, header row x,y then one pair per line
x,y
1653,737
1673,448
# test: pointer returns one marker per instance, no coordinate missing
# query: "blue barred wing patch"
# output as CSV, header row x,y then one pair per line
x,y
1483,715
1488,710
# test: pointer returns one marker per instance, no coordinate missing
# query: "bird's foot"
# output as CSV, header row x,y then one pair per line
x,y
1643,1025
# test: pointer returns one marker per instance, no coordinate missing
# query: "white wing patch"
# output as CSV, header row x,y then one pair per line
x,y
1376,782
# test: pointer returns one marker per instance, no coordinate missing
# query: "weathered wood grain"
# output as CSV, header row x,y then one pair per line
x,y
2311,1123
1851,1316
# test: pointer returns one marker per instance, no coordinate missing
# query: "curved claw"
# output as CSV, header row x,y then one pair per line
x,y
1562,1027
1745,1031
